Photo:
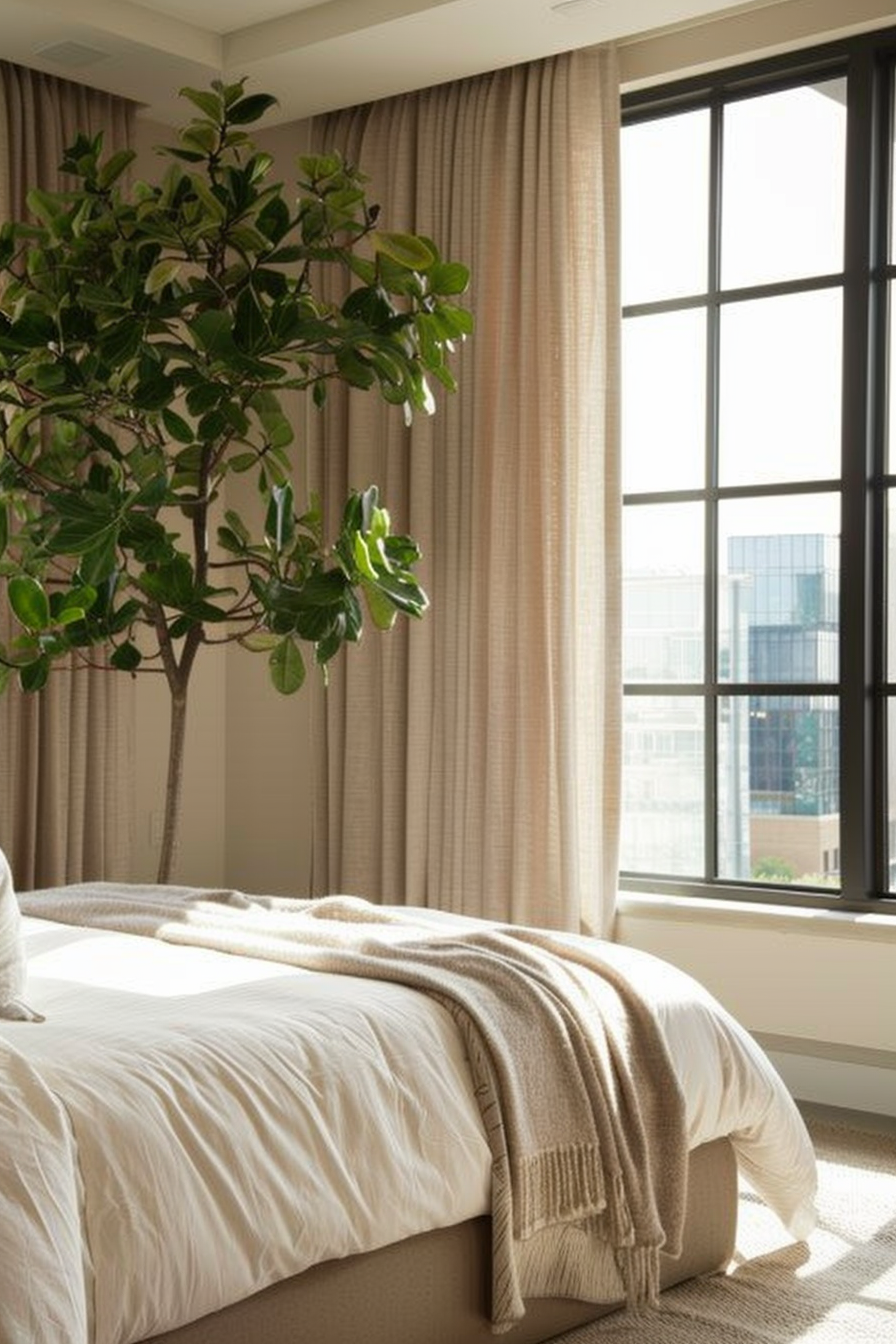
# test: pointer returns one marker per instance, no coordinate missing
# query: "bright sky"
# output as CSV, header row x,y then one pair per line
x,y
780,358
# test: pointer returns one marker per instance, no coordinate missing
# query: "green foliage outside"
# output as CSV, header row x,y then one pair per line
x,y
773,870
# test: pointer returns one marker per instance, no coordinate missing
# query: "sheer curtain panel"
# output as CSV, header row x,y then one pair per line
x,y
471,762
66,754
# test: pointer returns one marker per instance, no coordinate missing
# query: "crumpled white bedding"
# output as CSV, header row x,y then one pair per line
x,y
187,1127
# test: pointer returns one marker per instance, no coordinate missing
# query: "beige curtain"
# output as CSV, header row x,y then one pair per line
x,y
471,762
66,755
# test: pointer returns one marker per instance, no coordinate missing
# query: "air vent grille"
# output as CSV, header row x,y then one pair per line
x,y
71,54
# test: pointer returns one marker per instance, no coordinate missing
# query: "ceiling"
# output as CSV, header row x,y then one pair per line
x,y
314,55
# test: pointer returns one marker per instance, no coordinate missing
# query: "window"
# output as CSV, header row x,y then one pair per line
x,y
759,464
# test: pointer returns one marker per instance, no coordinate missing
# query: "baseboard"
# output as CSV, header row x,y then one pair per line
x,y
849,1077
867,1122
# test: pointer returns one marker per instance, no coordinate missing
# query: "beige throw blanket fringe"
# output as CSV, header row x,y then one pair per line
x,y
582,1110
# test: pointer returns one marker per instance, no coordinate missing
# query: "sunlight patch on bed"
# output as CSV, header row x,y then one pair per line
x,y
148,968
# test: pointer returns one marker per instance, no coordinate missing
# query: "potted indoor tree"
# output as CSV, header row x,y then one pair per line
x,y
147,336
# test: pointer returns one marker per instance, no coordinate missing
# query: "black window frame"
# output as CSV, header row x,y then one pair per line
x,y
868,61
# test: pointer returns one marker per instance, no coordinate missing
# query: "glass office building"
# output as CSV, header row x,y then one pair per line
x,y
776,782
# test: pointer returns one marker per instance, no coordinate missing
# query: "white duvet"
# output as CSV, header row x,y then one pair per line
x,y
187,1127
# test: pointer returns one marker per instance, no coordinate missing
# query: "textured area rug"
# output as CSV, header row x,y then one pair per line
x,y
837,1288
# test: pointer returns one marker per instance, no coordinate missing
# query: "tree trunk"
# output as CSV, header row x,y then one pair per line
x,y
173,786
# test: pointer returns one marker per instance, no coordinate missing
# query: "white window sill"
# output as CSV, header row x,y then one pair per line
x,y
757,915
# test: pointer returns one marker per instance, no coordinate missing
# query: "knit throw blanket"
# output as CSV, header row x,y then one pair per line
x,y
583,1113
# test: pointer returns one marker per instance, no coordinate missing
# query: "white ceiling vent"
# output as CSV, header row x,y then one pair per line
x,y
71,54
573,8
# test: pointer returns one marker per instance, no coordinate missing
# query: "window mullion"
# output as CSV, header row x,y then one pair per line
x,y
857,728
711,528
880,326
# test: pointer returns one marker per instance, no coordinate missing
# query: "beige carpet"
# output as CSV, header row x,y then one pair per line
x,y
837,1288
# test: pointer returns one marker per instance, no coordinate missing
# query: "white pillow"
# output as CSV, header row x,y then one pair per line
x,y
12,951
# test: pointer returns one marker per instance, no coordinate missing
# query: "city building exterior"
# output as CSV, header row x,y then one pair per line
x,y
777,762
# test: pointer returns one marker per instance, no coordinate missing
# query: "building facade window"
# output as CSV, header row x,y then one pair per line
x,y
759,464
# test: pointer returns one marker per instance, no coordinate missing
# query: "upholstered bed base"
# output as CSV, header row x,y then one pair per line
x,y
434,1289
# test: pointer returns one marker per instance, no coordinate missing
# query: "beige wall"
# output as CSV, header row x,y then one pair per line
x,y
746,34
817,988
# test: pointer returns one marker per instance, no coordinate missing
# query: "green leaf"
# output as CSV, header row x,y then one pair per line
x,y
29,602
236,417
362,558
176,426
452,322
45,205
32,329
382,612
148,467
235,522
201,136
121,342
127,657
280,524
100,298
258,168
274,221
331,642
448,277
84,522
326,588
170,584
353,369
240,462
100,561
185,155
154,392
203,397
214,208
250,108
80,599
287,667
209,103
405,248
250,329
71,616
260,641
213,330
124,616
405,592
278,430
229,541
146,537
162,274
354,616
213,425
369,305
33,676
114,166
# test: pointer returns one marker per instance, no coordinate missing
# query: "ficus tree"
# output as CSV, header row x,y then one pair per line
x,y
148,334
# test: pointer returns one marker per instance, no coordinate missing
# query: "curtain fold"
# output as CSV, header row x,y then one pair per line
x,y
66,754
471,762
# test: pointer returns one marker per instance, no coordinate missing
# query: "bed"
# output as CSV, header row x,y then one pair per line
x,y
214,1128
